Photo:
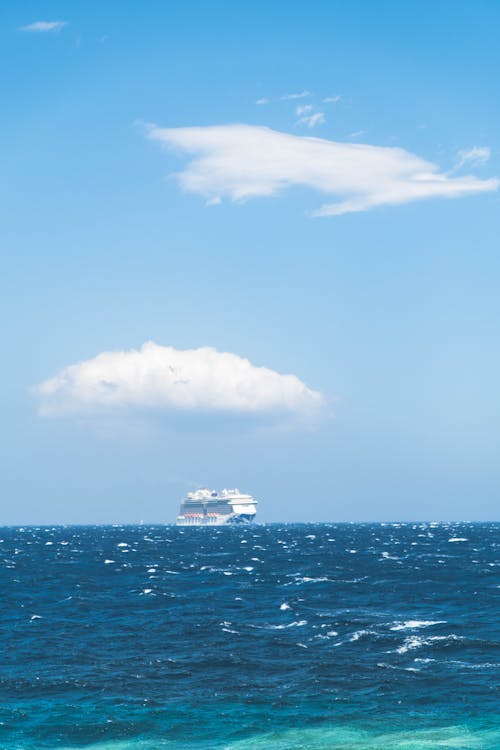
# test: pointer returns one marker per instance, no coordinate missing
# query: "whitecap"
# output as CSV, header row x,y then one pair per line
x,y
360,633
294,624
412,624
384,665
423,661
416,641
284,606
387,556
411,643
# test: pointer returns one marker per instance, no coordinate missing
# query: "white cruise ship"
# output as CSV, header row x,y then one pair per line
x,y
209,508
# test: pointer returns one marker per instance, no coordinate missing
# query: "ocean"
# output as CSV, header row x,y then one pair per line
x,y
310,636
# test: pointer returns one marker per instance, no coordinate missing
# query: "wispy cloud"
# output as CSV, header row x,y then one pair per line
x,y
244,161
163,379
44,26
303,109
299,95
318,118
331,99
475,156
262,100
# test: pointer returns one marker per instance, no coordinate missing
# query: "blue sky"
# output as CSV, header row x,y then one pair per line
x,y
387,315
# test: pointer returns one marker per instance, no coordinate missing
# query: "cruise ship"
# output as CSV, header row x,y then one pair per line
x,y
209,508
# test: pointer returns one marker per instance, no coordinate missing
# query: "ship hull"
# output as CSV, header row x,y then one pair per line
x,y
234,520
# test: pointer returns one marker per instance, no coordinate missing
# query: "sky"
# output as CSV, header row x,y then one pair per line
x,y
250,245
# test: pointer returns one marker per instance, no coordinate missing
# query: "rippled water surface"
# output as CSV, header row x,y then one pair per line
x,y
298,636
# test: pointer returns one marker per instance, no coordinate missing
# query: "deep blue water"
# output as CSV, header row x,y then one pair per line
x,y
295,636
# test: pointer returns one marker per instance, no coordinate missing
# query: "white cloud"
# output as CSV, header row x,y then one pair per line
x,y
303,109
318,118
245,161
475,156
298,95
331,99
43,26
263,100
163,379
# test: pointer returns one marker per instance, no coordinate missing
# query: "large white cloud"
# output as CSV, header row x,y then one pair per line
x,y
245,161
161,378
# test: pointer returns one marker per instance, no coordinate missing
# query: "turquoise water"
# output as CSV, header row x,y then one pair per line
x,y
281,637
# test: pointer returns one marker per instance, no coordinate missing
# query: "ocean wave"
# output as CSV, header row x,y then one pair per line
x,y
416,641
413,624
457,737
361,634
294,624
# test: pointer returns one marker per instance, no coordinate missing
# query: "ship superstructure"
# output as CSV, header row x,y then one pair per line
x,y
210,508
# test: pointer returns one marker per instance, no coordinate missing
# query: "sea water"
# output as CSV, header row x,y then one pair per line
x,y
376,637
